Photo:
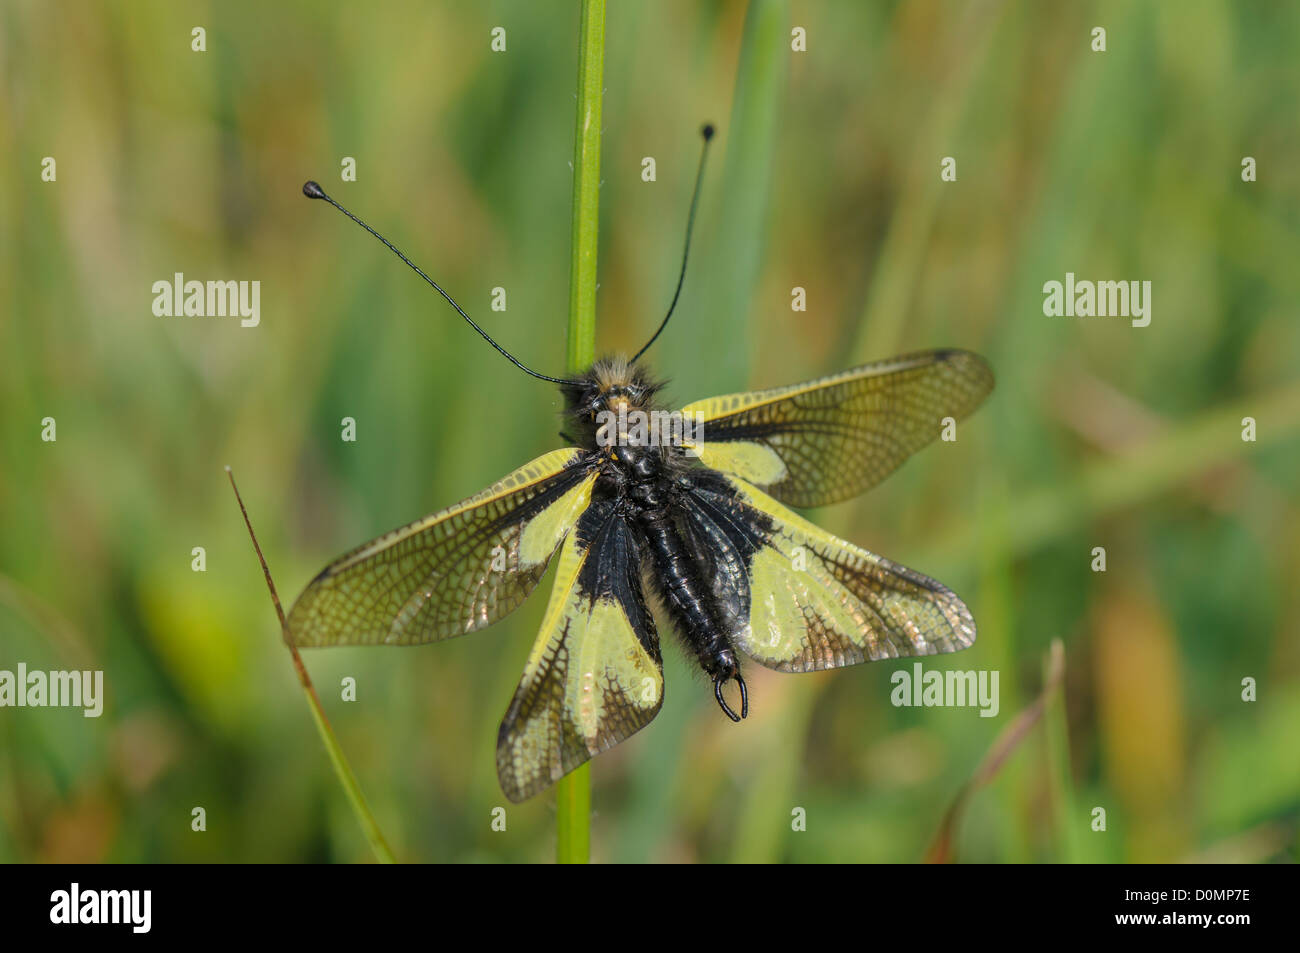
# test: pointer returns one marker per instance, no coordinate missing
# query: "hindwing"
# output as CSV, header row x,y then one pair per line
x,y
798,599
454,572
595,675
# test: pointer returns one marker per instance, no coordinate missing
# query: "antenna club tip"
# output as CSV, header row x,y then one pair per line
x,y
227,467
707,131
312,190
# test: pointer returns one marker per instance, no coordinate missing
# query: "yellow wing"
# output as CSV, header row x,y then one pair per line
x,y
830,439
453,572
807,600
595,675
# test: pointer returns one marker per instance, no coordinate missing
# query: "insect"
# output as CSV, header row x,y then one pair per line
x,y
698,524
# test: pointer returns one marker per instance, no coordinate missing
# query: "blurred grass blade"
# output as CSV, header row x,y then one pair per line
x,y
1069,843
772,789
59,631
746,203
573,792
941,848
732,260
1046,513
736,247
898,268
341,767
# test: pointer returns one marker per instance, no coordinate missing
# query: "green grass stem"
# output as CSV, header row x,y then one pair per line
x,y
573,792
342,769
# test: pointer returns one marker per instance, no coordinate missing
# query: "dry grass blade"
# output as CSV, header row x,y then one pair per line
x,y
941,849
344,771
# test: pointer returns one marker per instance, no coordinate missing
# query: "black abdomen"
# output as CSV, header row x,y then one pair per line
x,y
685,594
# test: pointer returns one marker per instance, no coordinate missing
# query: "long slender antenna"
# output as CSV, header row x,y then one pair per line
x,y
314,191
707,133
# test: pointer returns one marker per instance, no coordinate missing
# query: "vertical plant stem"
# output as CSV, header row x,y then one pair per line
x,y
573,793
1061,784
351,787
581,349
573,817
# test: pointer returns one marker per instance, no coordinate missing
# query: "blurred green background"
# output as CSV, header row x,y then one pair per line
x,y
1117,165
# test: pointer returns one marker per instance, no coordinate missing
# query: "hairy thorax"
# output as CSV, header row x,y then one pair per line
x,y
611,411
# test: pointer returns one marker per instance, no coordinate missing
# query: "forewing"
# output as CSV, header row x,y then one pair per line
x,y
453,572
830,439
595,675
798,599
